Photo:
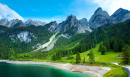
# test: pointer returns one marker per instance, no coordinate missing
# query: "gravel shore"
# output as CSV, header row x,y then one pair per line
x,y
98,70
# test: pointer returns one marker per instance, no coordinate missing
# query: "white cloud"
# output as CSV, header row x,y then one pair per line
x,y
8,13
112,5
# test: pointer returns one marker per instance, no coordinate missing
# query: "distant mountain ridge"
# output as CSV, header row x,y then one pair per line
x,y
20,23
101,17
72,24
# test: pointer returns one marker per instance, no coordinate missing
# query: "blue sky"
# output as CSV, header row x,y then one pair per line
x,y
57,10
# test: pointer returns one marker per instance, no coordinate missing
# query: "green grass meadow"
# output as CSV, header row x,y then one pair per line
x,y
109,57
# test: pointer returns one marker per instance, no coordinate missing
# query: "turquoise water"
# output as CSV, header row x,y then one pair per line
x,y
32,70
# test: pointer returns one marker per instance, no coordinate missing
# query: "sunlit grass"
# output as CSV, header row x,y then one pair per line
x,y
109,57
116,72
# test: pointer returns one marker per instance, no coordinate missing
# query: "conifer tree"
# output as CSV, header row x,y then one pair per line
x,y
126,55
68,54
107,45
71,53
83,48
100,47
91,57
78,59
115,46
104,50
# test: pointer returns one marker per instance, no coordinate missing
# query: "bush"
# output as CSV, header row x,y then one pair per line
x,y
116,72
12,58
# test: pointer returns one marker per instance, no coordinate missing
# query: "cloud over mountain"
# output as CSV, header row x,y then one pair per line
x,y
112,5
6,12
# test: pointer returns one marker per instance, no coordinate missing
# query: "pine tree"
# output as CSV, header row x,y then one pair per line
x,y
107,45
78,59
83,48
100,47
71,53
91,57
126,55
104,50
129,56
115,46
12,54
68,54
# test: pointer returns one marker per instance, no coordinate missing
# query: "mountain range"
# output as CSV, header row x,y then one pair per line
x,y
33,35
72,24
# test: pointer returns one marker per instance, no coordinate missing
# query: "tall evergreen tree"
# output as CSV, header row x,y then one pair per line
x,y
104,50
78,59
71,53
107,45
12,54
83,48
68,54
115,46
126,55
91,57
100,47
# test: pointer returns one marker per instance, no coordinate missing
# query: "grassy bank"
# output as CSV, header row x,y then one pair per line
x,y
116,72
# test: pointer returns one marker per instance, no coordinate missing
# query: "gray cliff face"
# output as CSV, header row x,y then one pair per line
x,y
99,18
84,21
20,23
12,23
34,22
120,15
53,26
72,24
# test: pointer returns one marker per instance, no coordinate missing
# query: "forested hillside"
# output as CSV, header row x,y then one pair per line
x,y
22,39
113,36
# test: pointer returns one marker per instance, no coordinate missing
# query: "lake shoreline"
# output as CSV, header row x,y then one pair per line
x,y
97,70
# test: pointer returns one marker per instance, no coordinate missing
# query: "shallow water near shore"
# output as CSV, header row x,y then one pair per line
x,y
32,70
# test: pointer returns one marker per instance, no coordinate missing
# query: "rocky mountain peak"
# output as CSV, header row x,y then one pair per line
x,y
84,21
98,10
120,15
34,22
3,21
71,21
99,18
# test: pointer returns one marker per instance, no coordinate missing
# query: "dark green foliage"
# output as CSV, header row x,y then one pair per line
x,y
68,54
91,57
118,35
115,46
54,58
100,47
126,55
107,45
6,43
83,48
78,58
104,50
11,54
71,53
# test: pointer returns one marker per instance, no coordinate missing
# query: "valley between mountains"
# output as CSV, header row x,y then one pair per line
x,y
103,41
